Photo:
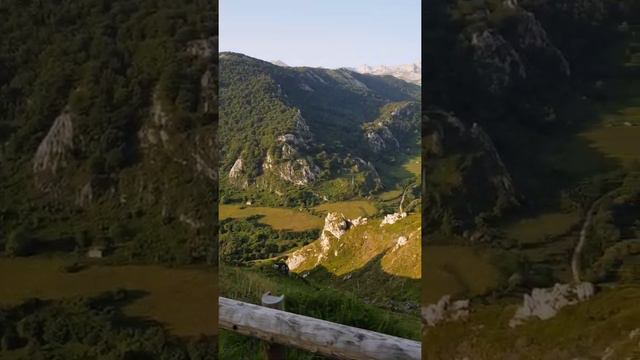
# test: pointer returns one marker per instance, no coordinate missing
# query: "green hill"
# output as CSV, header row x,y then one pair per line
x,y
303,135
107,123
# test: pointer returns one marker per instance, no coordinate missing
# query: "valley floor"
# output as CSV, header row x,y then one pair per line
x,y
182,299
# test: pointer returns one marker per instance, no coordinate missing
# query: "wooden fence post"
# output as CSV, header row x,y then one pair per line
x,y
274,351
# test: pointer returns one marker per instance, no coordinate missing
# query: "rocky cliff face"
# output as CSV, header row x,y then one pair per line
x,y
288,162
510,55
476,181
54,152
171,178
391,132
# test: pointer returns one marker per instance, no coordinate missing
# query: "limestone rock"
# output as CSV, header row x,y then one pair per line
x,y
400,242
545,303
335,226
359,221
392,218
381,139
237,169
445,310
53,152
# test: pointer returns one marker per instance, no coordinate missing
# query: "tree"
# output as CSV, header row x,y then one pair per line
x,y
19,243
82,239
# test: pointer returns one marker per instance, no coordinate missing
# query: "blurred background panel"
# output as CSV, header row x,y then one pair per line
x,y
108,179
531,143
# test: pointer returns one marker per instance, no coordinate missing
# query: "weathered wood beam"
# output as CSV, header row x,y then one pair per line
x,y
314,335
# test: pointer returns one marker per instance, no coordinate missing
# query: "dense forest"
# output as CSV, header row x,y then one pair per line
x,y
91,328
107,117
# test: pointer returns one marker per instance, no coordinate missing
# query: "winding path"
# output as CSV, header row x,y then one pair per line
x,y
577,253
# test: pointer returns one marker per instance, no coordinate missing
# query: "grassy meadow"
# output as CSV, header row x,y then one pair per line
x,y
586,329
536,229
183,299
457,270
278,218
351,209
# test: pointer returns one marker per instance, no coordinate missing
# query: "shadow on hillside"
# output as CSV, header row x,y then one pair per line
x,y
544,163
374,285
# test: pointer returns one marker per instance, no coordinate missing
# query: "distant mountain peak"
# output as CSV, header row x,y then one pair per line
x,y
279,63
407,72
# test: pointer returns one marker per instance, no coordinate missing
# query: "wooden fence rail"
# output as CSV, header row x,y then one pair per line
x,y
311,334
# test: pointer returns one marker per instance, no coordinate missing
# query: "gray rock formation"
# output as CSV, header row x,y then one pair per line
x,y
53,152
479,163
155,132
335,226
445,310
504,59
392,218
237,169
545,303
289,163
381,139
498,62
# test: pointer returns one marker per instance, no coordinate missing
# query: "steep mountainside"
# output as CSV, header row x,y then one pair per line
x,y
506,70
108,134
374,258
312,134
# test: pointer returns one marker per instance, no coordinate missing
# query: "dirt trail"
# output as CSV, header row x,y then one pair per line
x,y
577,253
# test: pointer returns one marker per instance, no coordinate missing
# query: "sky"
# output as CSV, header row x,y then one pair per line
x,y
323,33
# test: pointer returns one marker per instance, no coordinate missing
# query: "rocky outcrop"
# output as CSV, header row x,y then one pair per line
x,y
484,184
531,40
381,139
299,172
497,61
506,57
388,133
288,161
400,242
54,151
392,218
359,221
204,48
237,170
155,132
545,303
445,310
205,155
335,226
